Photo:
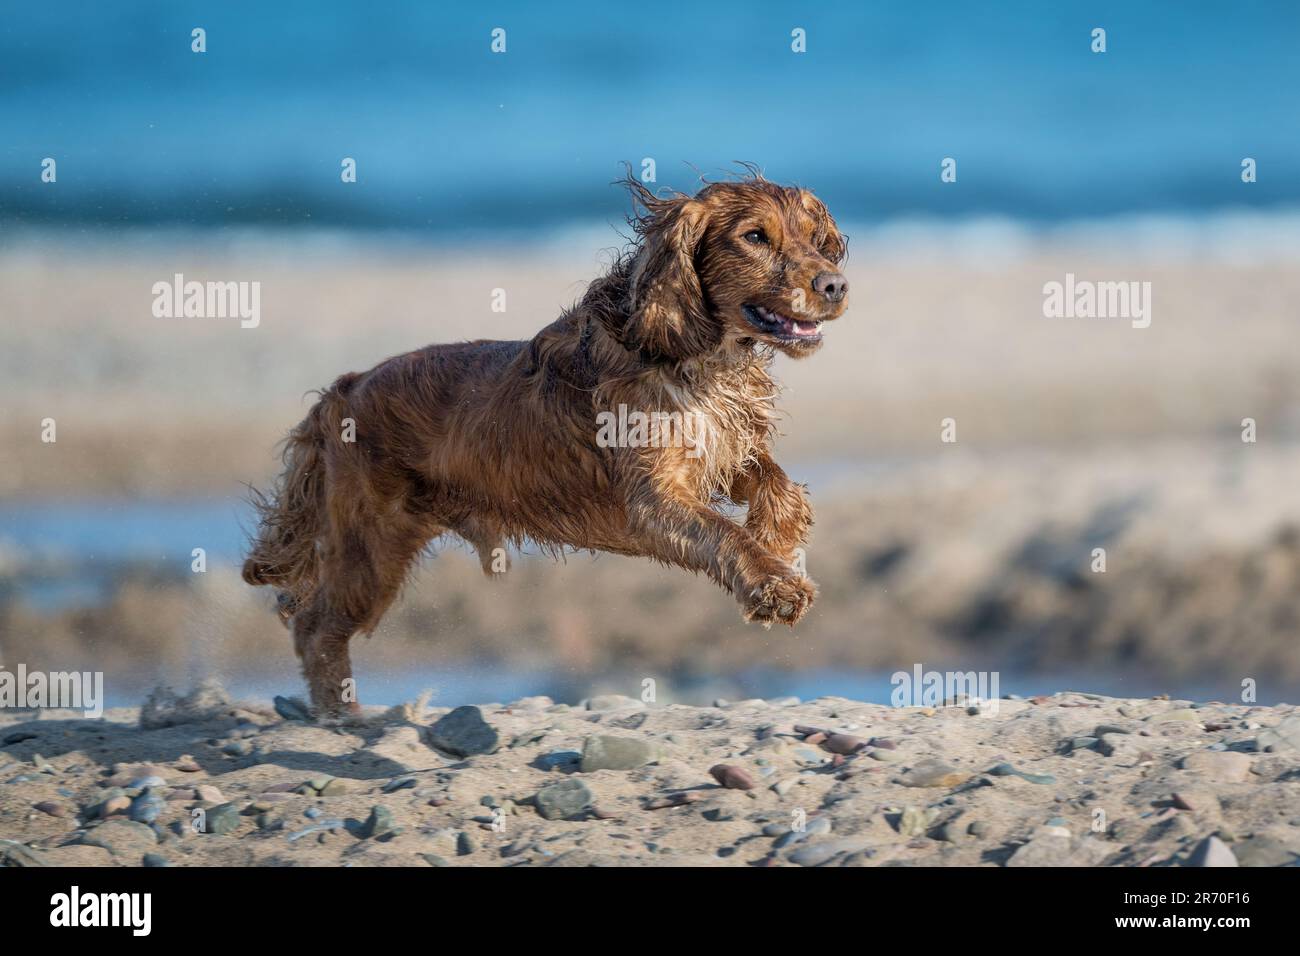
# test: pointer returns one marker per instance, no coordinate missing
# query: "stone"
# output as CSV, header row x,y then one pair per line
x,y
563,800
464,732
124,839
1212,852
1222,766
221,819
613,702
615,753
822,852
291,708
379,824
844,744
914,821
1284,736
1264,851
15,854
337,787
731,777
933,773
1052,846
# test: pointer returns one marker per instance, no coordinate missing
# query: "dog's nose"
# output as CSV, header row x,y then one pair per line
x,y
831,285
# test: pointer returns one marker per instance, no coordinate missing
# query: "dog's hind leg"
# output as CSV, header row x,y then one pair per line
x,y
365,563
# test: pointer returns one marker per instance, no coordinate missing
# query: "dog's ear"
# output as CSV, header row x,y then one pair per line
x,y
830,242
667,313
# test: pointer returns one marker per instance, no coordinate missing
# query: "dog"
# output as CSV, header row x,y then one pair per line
x,y
497,442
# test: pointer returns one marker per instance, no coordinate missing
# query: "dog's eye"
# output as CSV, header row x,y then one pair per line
x,y
756,237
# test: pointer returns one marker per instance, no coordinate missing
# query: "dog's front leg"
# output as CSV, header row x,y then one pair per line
x,y
690,534
779,511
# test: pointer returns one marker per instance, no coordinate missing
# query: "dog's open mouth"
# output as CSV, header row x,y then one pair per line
x,y
782,326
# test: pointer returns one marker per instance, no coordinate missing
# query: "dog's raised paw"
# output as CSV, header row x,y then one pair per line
x,y
780,600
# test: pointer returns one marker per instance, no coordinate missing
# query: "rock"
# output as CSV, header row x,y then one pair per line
x,y
1007,770
114,805
1052,846
613,702
914,821
557,758
615,753
237,748
1183,714
563,800
933,773
154,860
221,819
147,807
731,777
292,708
51,808
1263,851
337,787
15,854
464,732
379,824
124,839
1285,736
1212,852
817,854
465,844
1223,766
146,782
208,794
163,708
843,744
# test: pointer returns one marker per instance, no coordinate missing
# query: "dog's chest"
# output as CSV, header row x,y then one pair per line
x,y
724,427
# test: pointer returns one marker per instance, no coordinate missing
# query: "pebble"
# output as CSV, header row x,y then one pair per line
x,y
933,773
379,824
613,702
221,819
207,793
323,826
815,854
844,744
464,732
1223,766
1285,736
465,844
122,838
732,777
562,800
337,787
154,860
615,753
914,821
51,808
1212,852
1007,770
147,807
291,708
118,804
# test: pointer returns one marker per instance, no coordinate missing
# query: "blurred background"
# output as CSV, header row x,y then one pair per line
x,y
479,170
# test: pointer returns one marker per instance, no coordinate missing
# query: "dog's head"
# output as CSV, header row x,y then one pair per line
x,y
740,263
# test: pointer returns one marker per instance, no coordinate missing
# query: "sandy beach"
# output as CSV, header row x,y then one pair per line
x,y
1068,780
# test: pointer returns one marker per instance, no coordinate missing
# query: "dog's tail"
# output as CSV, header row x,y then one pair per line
x,y
283,550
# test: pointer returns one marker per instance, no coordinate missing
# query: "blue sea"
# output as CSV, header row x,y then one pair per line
x,y
451,139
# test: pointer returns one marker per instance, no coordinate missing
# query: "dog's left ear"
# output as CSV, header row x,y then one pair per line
x,y
668,316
